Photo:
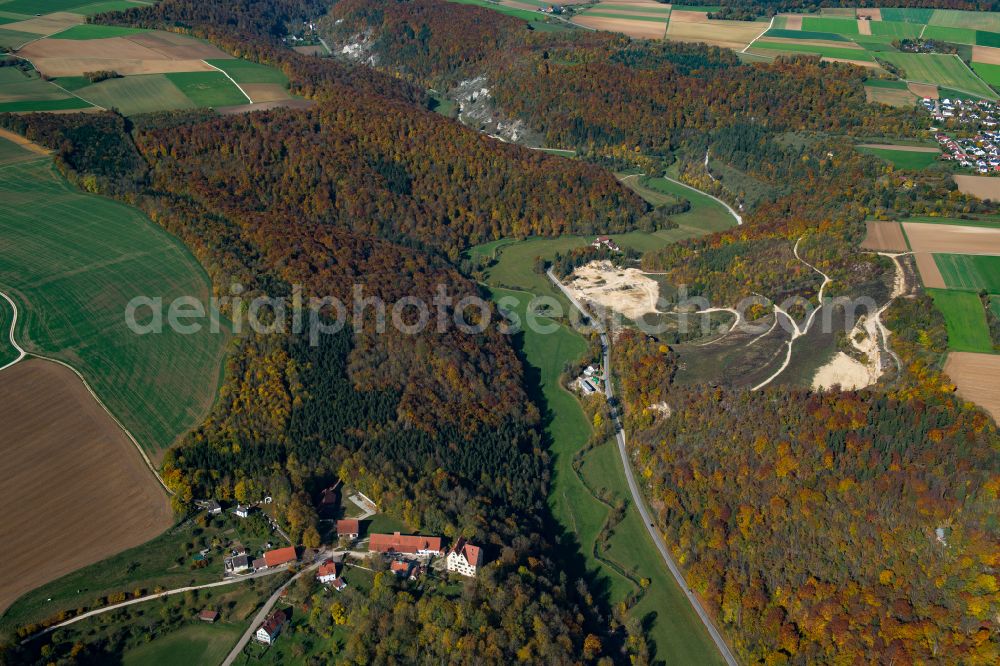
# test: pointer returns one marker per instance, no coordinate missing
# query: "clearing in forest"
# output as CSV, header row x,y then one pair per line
x,y
903,157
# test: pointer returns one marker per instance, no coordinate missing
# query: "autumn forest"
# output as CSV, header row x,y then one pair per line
x,y
805,521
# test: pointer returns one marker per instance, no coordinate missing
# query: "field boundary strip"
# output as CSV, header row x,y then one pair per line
x,y
763,32
86,385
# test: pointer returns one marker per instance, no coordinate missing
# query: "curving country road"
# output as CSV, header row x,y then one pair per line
x,y
22,354
150,597
13,343
265,610
637,499
732,211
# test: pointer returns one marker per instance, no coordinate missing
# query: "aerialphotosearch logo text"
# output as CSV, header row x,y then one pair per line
x,y
316,316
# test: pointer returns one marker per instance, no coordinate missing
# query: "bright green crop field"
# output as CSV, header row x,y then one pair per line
x,y
902,159
942,69
72,261
968,271
965,318
243,71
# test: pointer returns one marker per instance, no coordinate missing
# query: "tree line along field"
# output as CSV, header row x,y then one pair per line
x,y
72,262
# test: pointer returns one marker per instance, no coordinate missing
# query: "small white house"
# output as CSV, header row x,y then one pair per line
x,y
464,558
270,628
243,510
237,564
327,572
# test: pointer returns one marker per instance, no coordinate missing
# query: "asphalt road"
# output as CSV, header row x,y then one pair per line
x,y
637,498
266,609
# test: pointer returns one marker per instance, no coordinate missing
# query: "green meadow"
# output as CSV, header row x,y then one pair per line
x,y
244,71
675,630
73,261
965,319
840,26
7,351
210,89
903,159
943,69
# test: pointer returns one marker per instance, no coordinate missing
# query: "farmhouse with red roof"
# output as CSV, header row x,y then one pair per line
x,y
327,572
274,558
404,543
348,528
464,558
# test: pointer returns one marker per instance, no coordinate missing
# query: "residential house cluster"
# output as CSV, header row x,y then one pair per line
x,y
980,153
979,112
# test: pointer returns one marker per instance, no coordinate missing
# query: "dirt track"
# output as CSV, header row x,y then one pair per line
x,y
73,487
975,375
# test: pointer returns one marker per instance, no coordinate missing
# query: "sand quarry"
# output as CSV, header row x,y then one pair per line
x,y
868,337
73,486
627,291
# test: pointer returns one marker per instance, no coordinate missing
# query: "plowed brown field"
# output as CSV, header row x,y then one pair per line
x,y
73,487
